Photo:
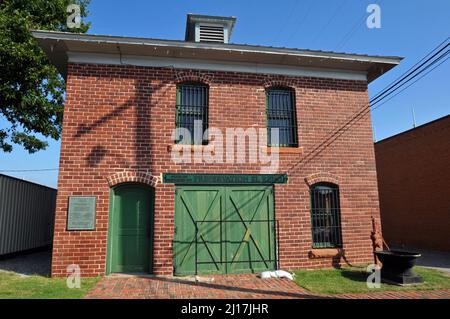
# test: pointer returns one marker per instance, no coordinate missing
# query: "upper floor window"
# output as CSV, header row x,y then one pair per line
x,y
325,216
192,113
281,115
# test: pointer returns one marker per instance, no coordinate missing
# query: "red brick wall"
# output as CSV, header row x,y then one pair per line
x,y
121,118
413,176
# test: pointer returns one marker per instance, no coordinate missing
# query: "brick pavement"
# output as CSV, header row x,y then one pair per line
x,y
225,287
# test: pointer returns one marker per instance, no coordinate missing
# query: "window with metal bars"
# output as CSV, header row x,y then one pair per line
x,y
281,115
192,112
325,216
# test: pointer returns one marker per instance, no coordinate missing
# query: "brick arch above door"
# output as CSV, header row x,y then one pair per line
x,y
321,177
271,81
130,176
194,76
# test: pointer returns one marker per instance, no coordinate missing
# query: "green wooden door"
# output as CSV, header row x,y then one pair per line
x,y
250,229
221,229
194,206
130,229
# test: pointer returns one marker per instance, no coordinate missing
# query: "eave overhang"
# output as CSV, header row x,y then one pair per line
x,y
60,45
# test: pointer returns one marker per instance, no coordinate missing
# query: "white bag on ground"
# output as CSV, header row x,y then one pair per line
x,y
277,274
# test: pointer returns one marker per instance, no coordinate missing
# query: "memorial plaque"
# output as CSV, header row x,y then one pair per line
x,y
81,215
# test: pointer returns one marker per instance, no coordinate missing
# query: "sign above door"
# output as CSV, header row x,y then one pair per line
x,y
224,179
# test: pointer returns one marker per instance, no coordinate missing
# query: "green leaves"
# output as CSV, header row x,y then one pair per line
x,y
31,89
29,142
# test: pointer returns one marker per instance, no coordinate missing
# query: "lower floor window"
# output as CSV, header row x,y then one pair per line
x,y
325,216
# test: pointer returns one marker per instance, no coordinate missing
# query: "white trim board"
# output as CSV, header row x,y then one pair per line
x,y
181,63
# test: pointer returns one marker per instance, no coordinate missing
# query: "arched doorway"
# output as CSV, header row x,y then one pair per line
x,y
130,229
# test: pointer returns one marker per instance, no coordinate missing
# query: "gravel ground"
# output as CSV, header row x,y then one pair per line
x,y
435,260
30,264
439,260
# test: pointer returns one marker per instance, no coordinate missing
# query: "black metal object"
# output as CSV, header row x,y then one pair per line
x,y
192,110
281,114
272,259
325,216
397,266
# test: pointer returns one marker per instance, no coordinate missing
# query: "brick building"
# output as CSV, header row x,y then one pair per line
x,y
413,175
126,203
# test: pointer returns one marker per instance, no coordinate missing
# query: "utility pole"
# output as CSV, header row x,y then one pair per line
x,y
414,117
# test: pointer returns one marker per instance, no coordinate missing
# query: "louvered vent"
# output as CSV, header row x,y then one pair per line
x,y
208,33
203,28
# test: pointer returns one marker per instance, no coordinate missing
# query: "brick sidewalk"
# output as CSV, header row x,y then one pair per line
x,y
230,286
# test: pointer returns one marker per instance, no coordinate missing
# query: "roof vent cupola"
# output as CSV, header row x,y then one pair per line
x,y
204,28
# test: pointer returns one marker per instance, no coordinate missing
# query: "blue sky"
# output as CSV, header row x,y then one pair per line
x,y
408,28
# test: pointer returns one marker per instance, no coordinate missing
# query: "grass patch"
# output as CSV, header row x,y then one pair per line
x,y
13,286
353,280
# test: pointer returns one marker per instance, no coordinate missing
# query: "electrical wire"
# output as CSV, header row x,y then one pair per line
x,y
302,20
410,84
291,13
385,93
438,46
411,73
333,16
29,170
374,103
352,31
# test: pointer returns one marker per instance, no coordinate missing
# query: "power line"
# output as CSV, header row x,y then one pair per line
x,y
418,62
415,75
352,31
325,26
29,170
302,20
291,13
348,35
411,84
392,87
364,111
387,92
384,94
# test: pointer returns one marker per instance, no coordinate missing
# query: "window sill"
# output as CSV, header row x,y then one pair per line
x,y
284,150
192,148
210,148
325,252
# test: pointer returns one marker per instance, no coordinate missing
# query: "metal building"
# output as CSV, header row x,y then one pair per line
x,y
27,212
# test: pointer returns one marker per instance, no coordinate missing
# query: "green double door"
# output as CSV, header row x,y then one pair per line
x,y
224,229
130,229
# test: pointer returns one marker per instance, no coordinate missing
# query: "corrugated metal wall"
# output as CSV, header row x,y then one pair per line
x,y
27,213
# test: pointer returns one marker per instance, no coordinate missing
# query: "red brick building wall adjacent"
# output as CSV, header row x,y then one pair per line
x,y
119,120
413,177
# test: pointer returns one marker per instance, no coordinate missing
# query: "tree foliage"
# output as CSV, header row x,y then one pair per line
x,y
31,89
